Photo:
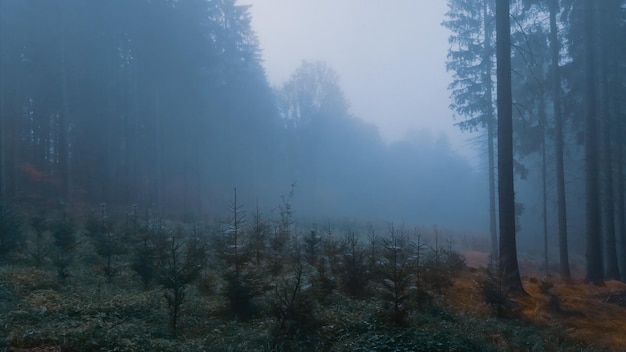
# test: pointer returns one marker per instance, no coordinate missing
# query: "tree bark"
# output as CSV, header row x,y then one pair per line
x,y
608,201
558,139
509,269
592,185
544,181
493,225
63,142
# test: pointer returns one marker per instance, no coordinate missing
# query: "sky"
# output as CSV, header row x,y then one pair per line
x,y
390,56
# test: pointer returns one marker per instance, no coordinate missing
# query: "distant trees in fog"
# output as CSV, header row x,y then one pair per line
x,y
166,105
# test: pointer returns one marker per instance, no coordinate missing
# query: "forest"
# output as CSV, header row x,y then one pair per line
x,y
158,193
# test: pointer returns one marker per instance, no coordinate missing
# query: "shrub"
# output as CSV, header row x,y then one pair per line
x,y
293,307
144,257
441,267
395,277
107,242
38,246
64,240
10,228
175,270
495,294
354,269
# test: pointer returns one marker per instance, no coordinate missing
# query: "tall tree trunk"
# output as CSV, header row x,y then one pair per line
x,y
605,67
158,175
608,206
544,186
592,184
509,269
491,121
558,126
63,143
493,225
618,108
621,208
3,174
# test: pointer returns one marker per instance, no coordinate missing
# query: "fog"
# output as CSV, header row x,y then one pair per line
x,y
170,105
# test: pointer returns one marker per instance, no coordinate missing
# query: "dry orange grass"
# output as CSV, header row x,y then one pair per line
x,y
582,309
476,259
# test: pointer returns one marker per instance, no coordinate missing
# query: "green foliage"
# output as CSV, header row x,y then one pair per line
x,y
395,276
176,270
64,241
354,276
311,247
144,257
38,245
293,307
440,267
107,242
10,228
495,293
38,314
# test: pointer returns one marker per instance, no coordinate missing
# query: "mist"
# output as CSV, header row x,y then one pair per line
x,y
169,107
322,175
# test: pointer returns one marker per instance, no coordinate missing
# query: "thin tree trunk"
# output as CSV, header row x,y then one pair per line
x,y
592,185
558,126
509,269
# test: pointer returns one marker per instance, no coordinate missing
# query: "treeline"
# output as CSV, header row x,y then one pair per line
x,y
569,84
165,105
132,102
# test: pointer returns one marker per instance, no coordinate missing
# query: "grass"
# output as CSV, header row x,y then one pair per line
x,y
88,314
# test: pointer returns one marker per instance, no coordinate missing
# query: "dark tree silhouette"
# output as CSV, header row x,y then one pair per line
x,y
595,272
506,195
558,139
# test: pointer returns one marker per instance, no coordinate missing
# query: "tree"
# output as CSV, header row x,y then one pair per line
x,y
176,269
106,241
311,106
64,240
395,275
595,273
354,272
506,195
10,231
471,58
558,139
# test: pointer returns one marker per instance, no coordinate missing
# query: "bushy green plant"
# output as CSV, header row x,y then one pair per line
x,y
293,307
440,268
495,293
144,257
176,270
395,277
107,242
10,228
354,276
64,240
38,245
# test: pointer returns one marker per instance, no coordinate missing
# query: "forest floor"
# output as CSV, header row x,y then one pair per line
x,y
594,314
89,314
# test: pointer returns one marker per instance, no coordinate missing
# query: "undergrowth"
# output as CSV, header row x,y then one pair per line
x,y
108,316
